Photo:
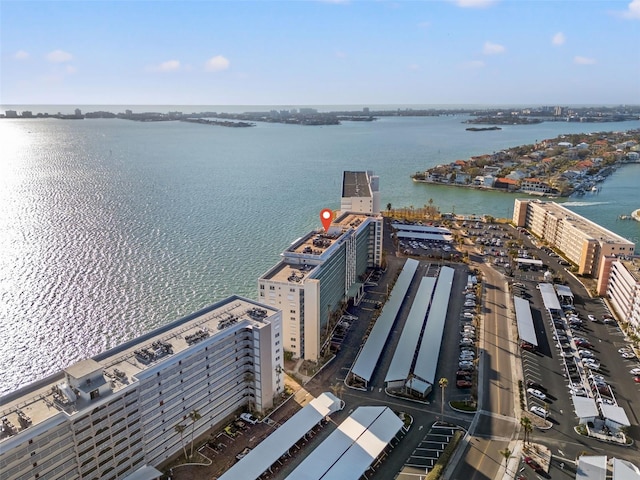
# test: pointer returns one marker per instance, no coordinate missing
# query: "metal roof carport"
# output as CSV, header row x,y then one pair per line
x,y
436,237
564,291
427,361
585,408
614,414
147,472
592,467
624,470
351,449
369,355
526,330
269,451
401,227
405,350
529,261
549,296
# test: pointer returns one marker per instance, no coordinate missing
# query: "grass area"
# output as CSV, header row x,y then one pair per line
x,y
438,468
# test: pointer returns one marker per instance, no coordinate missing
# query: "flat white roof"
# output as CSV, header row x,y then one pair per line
x,y
549,296
615,413
584,407
592,467
405,350
563,291
436,237
267,452
349,451
530,261
368,357
526,330
427,361
401,227
624,470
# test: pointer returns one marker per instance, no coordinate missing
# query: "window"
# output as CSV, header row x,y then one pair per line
x,y
292,311
271,287
261,287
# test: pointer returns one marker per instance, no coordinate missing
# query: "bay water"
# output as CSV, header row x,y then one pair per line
x,y
110,228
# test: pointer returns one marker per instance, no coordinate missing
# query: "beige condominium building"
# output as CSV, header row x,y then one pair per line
x,y
622,287
582,241
114,416
322,270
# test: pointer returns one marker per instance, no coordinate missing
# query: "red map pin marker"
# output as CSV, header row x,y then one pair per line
x,y
326,216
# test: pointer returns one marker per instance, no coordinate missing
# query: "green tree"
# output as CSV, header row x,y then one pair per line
x,y
194,415
388,207
180,429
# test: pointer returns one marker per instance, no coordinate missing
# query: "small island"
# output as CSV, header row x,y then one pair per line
x,y
562,166
482,129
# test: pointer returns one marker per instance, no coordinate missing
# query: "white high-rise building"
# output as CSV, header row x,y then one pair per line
x,y
115,415
321,270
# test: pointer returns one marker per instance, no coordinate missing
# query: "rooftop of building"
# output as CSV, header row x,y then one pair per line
x,y
355,184
632,264
47,398
317,242
589,228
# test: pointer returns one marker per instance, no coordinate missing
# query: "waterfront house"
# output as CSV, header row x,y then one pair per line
x,y
534,185
506,183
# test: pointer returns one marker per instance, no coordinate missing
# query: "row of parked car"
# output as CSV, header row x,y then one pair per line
x,y
466,365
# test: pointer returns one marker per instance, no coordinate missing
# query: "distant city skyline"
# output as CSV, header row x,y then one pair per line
x,y
319,52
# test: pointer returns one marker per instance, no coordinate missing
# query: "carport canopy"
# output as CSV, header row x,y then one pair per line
x,y
563,291
369,355
584,407
526,330
549,296
267,452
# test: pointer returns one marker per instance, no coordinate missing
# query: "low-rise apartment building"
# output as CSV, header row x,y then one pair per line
x,y
119,414
582,241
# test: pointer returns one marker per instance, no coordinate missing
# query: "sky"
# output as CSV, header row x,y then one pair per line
x,y
315,52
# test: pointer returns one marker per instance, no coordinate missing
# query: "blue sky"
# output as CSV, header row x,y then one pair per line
x,y
320,52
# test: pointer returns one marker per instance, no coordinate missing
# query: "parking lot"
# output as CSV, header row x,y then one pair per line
x,y
426,454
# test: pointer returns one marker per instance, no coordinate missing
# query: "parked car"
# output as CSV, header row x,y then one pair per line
x,y
635,371
592,318
586,354
466,341
636,379
541,412
464,384
628,355
533,464
592,364
247,417
465,364
536,393
608,321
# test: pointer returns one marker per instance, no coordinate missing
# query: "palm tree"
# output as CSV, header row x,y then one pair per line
x,y
180,429
506,453
527,426
194,415
443,382
388,207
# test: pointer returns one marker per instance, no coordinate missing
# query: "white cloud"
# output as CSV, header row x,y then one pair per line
x,y
217,64
414,67
475,3
59,56
558,39
633,10
474,64
21,55
490,48
164,67
578,60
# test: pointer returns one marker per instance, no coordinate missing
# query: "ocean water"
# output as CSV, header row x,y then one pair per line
x,y
110,228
